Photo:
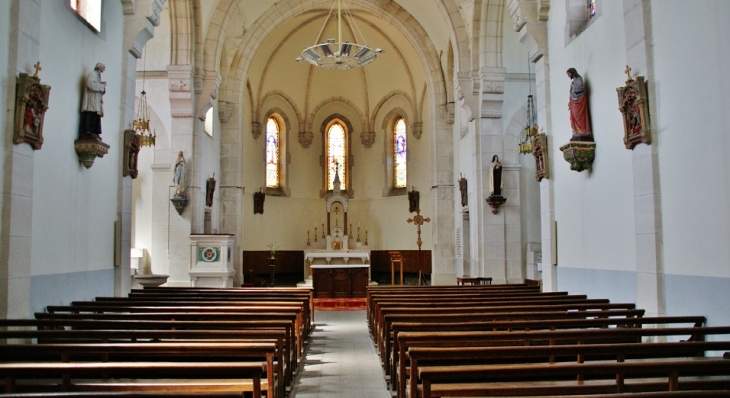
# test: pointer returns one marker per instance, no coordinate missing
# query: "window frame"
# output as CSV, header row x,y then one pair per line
x,y
80,9
282,120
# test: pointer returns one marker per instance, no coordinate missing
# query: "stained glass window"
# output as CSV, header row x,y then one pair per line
x,y
336,155
399,153
89,10
593,7
272,153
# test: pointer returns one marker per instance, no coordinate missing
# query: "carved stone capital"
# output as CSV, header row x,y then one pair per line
x,y
180,78
367,138
225,111
256,130
492,92
305,138
417,129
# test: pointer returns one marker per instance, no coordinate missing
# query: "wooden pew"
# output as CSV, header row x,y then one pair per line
x,y
386,343
157,326
259,308
100,375
379,304
126,394
547,379
406,334
460,347
97,343
182,315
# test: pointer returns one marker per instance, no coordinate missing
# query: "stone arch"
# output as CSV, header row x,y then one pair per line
x,y
350,104
257,108
490,36
413,115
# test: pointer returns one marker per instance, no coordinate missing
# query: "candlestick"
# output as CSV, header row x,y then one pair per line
x,y
307,237
358,234
322,231
350,230
315,234
366,237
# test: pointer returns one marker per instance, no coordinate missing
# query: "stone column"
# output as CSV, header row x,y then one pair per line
x,y
647,197
182,138
530,21
442,205
17,203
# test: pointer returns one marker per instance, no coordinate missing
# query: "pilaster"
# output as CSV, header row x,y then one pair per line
x,y
530,22
16,242
182,138
647,195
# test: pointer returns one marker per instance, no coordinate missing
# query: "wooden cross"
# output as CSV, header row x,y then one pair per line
x,y
38,68
627,71
418,220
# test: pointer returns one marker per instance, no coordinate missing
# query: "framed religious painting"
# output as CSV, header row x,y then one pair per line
x,y
539,151
31,104
633,104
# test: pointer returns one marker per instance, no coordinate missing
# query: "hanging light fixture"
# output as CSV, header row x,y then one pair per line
x,y
339,55
141,124
525,145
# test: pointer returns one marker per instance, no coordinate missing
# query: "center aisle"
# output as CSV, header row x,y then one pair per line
x,y
340,360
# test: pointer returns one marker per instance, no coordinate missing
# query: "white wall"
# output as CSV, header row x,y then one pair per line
x,y
7,82
692,108
594,209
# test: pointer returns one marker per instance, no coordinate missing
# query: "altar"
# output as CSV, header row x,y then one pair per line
x,y
337,262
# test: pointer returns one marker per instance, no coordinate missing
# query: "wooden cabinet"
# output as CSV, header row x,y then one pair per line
x,y
340,282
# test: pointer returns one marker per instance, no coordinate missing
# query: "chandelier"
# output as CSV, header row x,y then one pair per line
x,y
141,123
525,145
339,55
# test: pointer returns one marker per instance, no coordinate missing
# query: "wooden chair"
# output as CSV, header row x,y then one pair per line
x,y
395,258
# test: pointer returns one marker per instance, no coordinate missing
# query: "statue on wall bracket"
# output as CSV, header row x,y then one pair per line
x,y
89,145
131,152
414,198
496,185
31,104
581,150
180,198
209,191
258,201
632,102
463,190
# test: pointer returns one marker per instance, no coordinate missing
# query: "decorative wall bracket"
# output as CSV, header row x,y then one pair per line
x,y
88,148
580,155
495,201
179,202
31,104
256,130
632,102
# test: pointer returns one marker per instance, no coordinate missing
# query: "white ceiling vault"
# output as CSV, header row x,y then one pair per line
x,y
252,46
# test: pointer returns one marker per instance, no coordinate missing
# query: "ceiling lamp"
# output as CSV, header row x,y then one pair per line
x,y
339,55
525,145
141,124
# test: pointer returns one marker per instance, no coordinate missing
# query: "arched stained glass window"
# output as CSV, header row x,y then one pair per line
x,y
336,155
399,154
272,153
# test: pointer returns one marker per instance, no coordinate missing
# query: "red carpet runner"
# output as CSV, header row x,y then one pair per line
x,y
339,304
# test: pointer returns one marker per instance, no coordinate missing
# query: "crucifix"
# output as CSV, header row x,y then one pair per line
x,y
38,68
418,220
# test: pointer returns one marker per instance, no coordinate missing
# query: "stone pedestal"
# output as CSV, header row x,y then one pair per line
x,y
210,260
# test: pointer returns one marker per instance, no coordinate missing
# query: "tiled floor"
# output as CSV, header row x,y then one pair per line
x,y
340,360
